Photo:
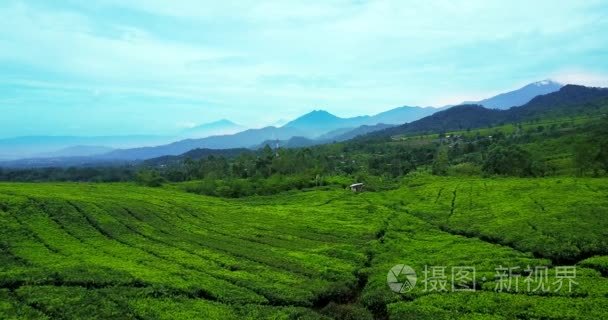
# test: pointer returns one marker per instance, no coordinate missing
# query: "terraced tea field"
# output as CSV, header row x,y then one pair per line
x,y
116,251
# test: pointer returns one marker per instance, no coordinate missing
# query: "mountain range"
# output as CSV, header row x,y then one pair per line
x,y
76,151
62,146
315,127
338,135
309,126
244,139
570,100
320,122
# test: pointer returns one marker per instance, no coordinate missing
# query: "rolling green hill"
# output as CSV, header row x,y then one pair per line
x,y
104,251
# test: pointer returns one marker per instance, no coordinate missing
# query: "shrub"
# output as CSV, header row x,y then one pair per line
x,y
149,178
464,169
346,312
507,160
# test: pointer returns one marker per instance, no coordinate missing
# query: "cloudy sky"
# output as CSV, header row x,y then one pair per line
x,y
113,67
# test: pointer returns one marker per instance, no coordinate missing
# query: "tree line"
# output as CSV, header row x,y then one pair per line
x,y
523,150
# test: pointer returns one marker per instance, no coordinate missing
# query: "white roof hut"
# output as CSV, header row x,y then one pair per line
x,y
357,187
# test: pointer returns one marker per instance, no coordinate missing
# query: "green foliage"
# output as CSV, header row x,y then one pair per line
x,y
559,219
441,162
120,250
591,154
123,251
346,312
564,147
77,174
236,188
149,178
507,160
599,263
497,306
475,222
465,169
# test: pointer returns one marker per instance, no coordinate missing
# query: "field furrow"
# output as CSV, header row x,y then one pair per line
x,y
159,253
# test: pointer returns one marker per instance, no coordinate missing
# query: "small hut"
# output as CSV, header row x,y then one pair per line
x,y
357,187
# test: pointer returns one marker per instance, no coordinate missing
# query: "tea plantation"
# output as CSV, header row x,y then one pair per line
x,y
121,251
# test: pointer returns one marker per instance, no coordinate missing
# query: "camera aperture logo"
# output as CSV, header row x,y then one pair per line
x,y
401,278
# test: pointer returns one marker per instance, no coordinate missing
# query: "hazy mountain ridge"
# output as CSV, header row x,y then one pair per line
x,y
520,96
35,146
569,100
338,135
320,126
362,130
244,139
308,126
318,122
76,151
293,142
402,115
220,127
321,122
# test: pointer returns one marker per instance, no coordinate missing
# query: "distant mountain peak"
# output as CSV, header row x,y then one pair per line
x,y
316,117
319,113
217,122
546,82
224,121
218,127
520,96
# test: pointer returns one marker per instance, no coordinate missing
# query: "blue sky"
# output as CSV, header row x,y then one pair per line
x,y
113,67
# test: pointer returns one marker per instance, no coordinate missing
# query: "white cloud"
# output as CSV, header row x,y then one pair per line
x,y
287,57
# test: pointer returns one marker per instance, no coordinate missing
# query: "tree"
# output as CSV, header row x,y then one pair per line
x,y
600,138
149,178
190,168
441,162
585,156
507,160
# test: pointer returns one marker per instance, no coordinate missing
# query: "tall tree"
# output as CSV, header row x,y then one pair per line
x,y
441,162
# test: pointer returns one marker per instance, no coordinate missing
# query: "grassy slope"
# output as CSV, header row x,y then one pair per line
x,y
168,243
554,144
118,250
488,223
